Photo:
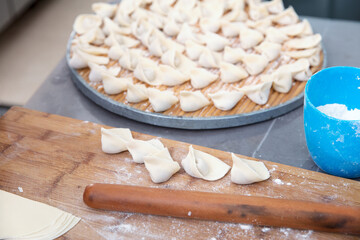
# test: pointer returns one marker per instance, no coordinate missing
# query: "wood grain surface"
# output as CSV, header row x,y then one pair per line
x,y
53,159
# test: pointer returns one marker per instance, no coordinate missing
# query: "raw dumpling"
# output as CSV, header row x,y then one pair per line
x,y
215,42
136,93
232,73
226,100
250,37
81,59
130,59
115,140
187,33
246,171
233,55
201,78
301,28
236,13
282,80
260,25
258,93
114,85
275,6
139,149
119,39
231,29
255,63
146,71
269,49
110,26
203,165
94,36
161,100
96,72
192,101
160,165
177,60
169,76
104,9
257,10
209,25
85,22
301,53
286,17
209,59
304,43
275,35
171,28
93,50
300,69
193,49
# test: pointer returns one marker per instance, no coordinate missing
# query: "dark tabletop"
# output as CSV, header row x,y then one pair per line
x,y
280,140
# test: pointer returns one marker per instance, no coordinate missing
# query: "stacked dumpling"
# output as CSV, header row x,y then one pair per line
x,y
191,54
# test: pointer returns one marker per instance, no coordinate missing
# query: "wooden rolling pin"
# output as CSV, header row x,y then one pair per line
x,y
225,207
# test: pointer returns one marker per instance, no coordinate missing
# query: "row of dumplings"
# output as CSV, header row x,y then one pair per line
x,y
161,166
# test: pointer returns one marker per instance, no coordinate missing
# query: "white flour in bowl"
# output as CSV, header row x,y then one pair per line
x,y
340,111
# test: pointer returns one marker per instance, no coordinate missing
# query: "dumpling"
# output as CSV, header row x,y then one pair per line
x,y
161,6
249,37
130,59
109,26
116,52
209,59
246,171
270,50
286,17
104,9
275,35
231,29
257,11
258,93
192,101
255,63
160,165
96,72
136,93
304,43
226,100
115,140
201,78
233,55
211,9
301,53
315,59
81,59
187,33
301,28
300,69
139,149
236,14
118,39
209,24
215,42
282,80
275,6
202,165
93,36
85,22
161,100
193,49
171,28
114,85
232,73
260,25
177,60
169,76
146,71
90,49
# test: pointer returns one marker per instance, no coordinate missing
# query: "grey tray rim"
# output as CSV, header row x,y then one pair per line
x,y
191,123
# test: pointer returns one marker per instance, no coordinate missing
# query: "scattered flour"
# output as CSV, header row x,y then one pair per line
x,y
20,189
340,111
278,181
189,213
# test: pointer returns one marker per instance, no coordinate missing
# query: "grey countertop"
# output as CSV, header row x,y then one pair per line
x,y
280,140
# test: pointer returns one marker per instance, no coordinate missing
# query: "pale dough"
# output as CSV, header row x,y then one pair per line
x,y
114,140
246,171
203,165
23,218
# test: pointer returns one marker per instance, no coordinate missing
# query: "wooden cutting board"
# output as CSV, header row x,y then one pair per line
x,y
52,158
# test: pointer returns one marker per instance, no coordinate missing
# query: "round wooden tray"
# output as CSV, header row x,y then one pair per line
x,y
209,117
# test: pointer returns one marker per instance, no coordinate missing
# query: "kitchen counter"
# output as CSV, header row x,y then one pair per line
x,y
280,140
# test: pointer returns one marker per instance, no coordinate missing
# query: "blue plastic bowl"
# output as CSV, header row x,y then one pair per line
x,y
334,144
